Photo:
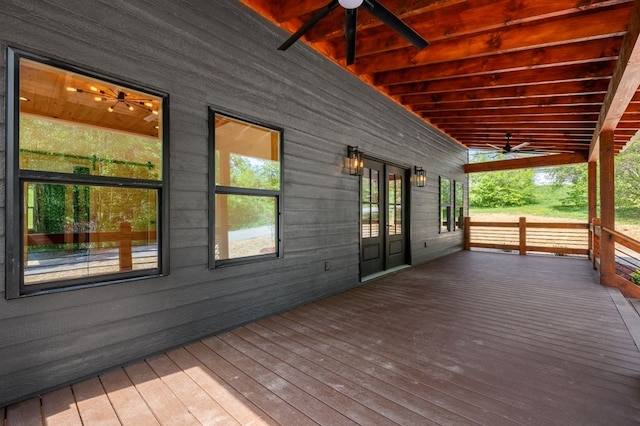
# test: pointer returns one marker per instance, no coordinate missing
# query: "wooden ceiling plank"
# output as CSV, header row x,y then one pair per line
x,y
575,101
526,163
593,87
455,19
582,27
531,111
624,83
546,119
566,73
565,54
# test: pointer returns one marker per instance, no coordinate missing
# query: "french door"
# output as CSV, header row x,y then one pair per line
x,y
383,217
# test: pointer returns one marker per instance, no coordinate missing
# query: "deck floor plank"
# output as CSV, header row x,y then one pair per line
x,y
284,386
277,408
473,338
126,400
93,403
239,407
338,392
458,398
59,408
25,413
166,406
199,403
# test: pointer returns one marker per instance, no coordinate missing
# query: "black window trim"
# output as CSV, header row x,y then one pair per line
x,y
220,189
14,278
441,229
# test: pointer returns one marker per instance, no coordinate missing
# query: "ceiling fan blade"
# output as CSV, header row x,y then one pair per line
x,y
495,147
310,23
350,19
383,14
522,145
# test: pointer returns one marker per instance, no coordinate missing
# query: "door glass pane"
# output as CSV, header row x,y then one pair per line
x,y
370,204
395,204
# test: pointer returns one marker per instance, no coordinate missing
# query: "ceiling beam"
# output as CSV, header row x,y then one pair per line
x,y
526,163
623,84
571,54
509,39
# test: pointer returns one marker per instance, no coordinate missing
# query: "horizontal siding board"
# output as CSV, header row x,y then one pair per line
x,y
218,55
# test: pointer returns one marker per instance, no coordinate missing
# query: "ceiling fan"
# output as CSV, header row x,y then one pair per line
x,y
350,14
507,148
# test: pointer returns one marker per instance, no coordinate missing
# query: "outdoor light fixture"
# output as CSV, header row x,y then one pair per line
x,y
421,176
354,161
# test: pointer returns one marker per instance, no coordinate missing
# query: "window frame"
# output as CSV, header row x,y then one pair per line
x,y
458,208
16,178
448,228
215,189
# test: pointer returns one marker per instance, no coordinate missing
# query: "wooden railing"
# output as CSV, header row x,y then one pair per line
x,y
524,237
624,246
124,237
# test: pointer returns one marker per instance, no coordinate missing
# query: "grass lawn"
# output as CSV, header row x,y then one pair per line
x,y
549,205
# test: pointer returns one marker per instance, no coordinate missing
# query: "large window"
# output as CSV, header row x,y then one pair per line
x,y
445,205
246,186
86,167
458,204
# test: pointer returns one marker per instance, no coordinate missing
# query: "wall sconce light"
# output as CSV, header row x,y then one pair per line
x,y
421,176
354,161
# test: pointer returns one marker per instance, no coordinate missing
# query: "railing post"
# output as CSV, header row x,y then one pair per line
x,y
522,225
124,251
467,233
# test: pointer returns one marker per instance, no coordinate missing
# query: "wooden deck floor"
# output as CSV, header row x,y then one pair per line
x,y
474,338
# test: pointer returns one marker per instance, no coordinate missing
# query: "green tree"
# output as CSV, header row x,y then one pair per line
x,y
628,177
574,178
502,189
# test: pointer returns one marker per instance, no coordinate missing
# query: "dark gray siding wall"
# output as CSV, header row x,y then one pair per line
x,y
213,53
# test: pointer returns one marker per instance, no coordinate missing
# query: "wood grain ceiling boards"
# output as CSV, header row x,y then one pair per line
x,y
539,70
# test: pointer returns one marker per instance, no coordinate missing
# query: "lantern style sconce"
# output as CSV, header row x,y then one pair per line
x,y
421,176
354,161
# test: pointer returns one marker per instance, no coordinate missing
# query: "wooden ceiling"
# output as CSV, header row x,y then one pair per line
x,y
539,69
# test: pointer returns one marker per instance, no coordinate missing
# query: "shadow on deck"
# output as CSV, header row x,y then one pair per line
x,y
473,338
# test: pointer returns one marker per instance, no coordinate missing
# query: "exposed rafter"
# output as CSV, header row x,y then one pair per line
x,y
624,83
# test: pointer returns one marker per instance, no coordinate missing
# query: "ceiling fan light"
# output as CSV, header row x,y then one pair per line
x,y
350,4
131,108
110,109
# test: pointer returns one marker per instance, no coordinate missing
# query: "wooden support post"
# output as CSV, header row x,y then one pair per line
x,y
592,200
607,209
523,235
124,250
467,233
